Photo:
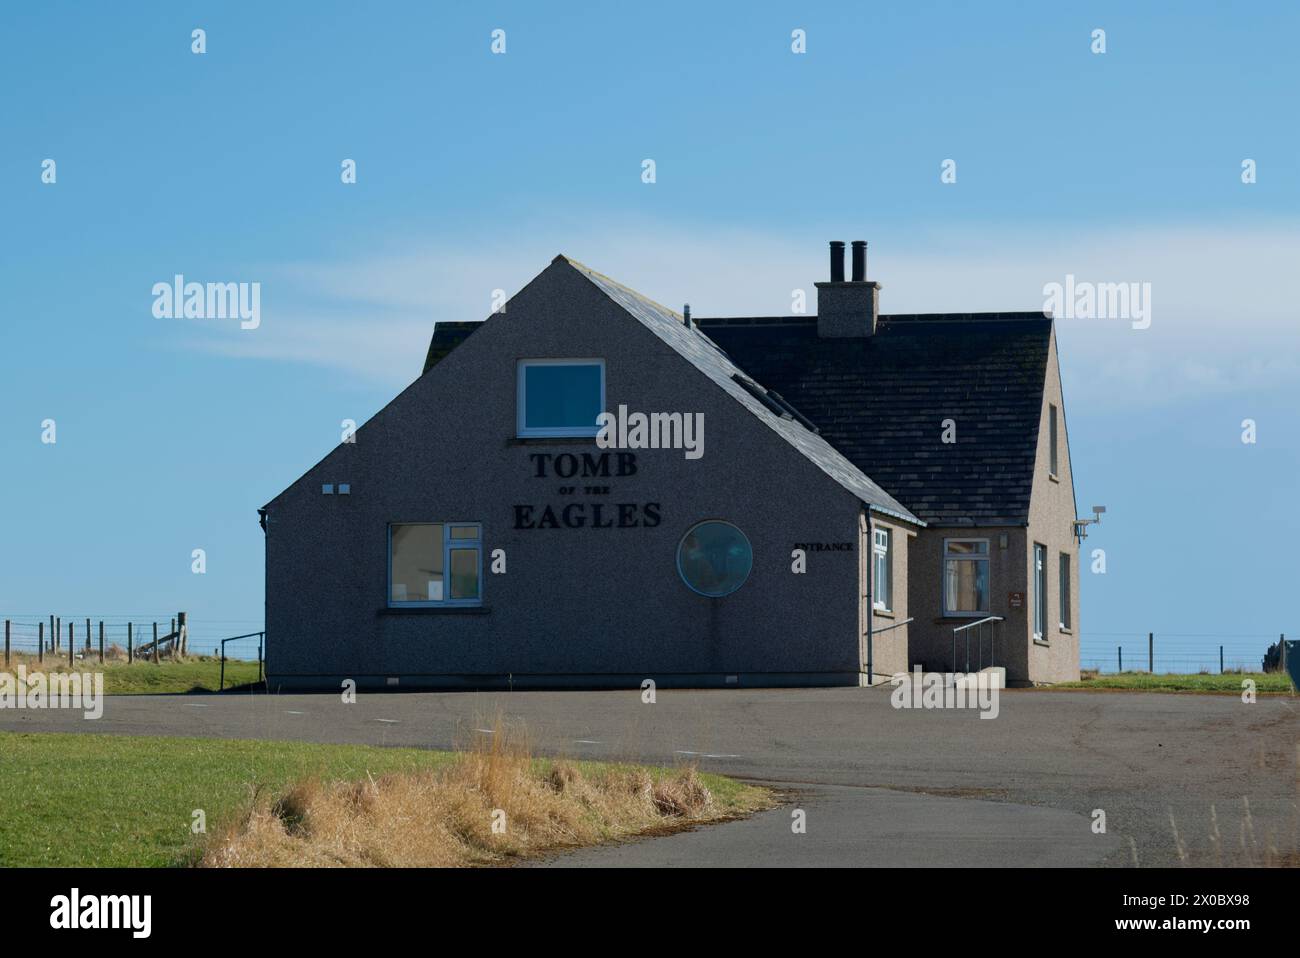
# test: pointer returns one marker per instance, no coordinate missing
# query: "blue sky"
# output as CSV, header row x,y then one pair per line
x,y
474,169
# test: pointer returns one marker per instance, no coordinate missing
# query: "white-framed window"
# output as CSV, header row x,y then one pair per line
x,y
965,577
1040,591
882,569
435,564
1064,586
1053,466
560,397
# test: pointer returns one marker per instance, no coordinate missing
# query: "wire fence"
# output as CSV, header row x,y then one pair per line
x,y
123,634
1175,652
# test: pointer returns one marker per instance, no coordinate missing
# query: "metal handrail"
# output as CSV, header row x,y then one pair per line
x,y
970,625
896,625
261,639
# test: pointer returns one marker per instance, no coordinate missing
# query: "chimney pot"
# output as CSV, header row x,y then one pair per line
x,y
859,261
837,261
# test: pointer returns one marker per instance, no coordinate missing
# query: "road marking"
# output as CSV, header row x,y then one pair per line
x,y
196,705
388,721
292,712
586,741
682,751
486,731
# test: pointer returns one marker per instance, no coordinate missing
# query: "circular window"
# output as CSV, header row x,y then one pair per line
x,y
714,558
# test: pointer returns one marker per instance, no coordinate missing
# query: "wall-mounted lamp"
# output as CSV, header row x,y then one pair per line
x,y
1081,525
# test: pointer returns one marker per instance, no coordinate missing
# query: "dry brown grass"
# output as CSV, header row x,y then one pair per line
x,y
491,804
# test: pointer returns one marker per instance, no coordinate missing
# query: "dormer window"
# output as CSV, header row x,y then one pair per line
x,y
560,397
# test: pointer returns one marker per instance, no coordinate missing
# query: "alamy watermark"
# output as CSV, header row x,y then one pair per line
x,y
130,912
59,690
947,690
656,430
1087,300
181,300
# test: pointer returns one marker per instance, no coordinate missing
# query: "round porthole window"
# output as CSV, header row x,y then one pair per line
x,y
714,558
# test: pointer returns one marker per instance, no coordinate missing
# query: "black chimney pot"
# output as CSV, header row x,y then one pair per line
x,y
837,261
859,261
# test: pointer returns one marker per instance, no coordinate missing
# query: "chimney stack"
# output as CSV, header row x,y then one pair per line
x,y
848,310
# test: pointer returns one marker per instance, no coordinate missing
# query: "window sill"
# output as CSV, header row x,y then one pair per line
x,y
1065,631
883,613
1054,477
551,441
1043,642
437,610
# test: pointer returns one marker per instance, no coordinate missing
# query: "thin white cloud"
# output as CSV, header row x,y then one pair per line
x,y
1223,317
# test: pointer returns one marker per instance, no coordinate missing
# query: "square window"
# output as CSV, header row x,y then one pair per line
x,y
560,397
434,563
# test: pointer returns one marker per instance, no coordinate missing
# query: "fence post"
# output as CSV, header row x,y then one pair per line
x,y
1281,641
101,641
1121,658
261,638
72,646
222,686
1220,660
130,652
1151,652
6,643
182,627
56,635
155,643
40,641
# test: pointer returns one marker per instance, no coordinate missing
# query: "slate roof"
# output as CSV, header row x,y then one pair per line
x,y
446,337
704,354
706,357
880,401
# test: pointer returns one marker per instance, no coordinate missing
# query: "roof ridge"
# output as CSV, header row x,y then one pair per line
x,y
583,267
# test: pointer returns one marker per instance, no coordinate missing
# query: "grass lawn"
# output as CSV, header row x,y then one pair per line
x,y
1146,682
194,674
115,800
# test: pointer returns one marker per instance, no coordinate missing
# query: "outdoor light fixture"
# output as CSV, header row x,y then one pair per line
x,y
1081,525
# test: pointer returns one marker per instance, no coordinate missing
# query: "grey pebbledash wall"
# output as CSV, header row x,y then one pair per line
x,y
576,606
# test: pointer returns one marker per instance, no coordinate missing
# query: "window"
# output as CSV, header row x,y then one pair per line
x,y
1040,592
1065,591
965,576
1051,438
560,397
714,558
434,563
882,571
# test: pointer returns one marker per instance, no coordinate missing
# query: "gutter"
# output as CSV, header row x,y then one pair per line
x,y
870,560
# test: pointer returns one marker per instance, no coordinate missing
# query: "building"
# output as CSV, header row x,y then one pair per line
x,y
826,501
